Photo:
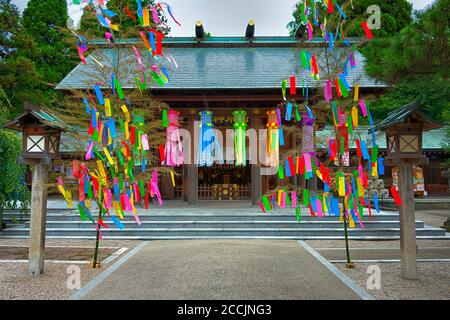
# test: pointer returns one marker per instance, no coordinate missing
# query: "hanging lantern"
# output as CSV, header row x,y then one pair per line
x,y
342,141
209,148
273,147
173,149
240,128
308,134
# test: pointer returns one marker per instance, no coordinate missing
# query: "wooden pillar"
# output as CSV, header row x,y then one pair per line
x,y
38,219
256,184
192,185
256,168
312,183
185,183
191,168
407,222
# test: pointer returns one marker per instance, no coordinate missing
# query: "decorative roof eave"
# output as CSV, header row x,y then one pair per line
x,y
40,115
261,41
399,115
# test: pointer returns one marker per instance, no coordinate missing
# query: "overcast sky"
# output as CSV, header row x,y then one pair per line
x,y
227,17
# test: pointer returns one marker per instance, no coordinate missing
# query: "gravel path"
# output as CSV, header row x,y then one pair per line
x,y
15,284
73,243
433,283
52,285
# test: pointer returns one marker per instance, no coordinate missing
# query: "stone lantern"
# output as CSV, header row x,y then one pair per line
x,y
404,127
41,134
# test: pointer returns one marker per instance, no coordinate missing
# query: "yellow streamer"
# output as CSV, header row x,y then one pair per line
x,y
108,107
108,156
173,178
126,112
356,96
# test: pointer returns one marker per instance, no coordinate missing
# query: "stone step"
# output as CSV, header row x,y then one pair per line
x,y
148,233
169,216
225,224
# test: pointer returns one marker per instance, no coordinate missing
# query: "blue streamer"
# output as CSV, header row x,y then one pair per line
x,y
117,222
288,169
112,128
86,103
380,166
364,150
102,21
99,94
344,81
152,41
375,202
281,136
288,112
109,13
331,40
341,11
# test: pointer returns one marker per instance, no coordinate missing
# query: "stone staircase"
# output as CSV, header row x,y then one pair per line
x,y
202,223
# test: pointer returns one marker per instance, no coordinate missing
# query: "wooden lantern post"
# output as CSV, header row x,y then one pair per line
x,y
41,136
404,127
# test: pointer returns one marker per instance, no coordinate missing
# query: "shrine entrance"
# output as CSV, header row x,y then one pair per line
x,y
224,182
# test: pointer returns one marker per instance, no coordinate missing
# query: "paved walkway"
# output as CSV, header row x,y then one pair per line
x,y
219,269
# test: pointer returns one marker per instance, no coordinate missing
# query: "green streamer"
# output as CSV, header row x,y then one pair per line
x,y
298,214
119,89
305,197
165,119
82,213
280,172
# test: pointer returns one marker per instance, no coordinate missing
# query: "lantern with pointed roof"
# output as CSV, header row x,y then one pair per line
x,y
404,127
41,134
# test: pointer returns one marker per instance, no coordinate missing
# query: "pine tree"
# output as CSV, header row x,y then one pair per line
x,y
45,22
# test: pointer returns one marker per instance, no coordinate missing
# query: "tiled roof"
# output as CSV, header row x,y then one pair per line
x,y
400,114
213,67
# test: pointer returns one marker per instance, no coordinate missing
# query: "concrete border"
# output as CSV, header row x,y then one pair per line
x,y
46,261
102,276
394,261
363,294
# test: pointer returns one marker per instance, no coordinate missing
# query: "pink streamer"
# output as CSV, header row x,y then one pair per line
x,y
294,199
138,57
155,15
362,104
89,151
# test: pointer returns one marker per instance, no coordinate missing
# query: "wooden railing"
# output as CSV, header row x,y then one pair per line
x,y
206,192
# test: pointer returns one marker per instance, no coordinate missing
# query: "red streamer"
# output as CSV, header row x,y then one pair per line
x,y
130,14
367,30
293,86
396,196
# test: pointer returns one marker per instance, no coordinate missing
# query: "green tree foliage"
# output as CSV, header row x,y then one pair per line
x,y
9,25
415,62
45,22
395,15
19,79
431,91
90,26
13,190
419,49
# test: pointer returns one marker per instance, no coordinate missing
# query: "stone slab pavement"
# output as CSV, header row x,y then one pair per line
x,y
221,269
